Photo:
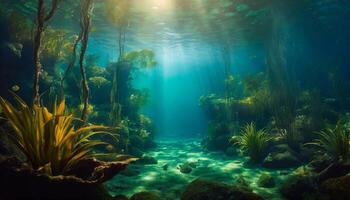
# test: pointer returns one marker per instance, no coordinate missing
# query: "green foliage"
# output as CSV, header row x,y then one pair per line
x,y
144,58
253,142
48,139
57,43
139,98
334,142
254,82
98,81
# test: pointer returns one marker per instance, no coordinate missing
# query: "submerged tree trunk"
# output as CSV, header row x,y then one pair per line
x,y
116,107
70,65
86,12
41,19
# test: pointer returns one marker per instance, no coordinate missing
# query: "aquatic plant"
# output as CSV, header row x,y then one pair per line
x,y
253,142
254,82
99,81
143,58
334,142
49,139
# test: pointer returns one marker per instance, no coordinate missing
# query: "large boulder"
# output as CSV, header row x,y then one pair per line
x,y
281,156
298,187
266,180
201,189
336,188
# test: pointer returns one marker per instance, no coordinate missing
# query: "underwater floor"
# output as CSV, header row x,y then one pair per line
x,y
171,182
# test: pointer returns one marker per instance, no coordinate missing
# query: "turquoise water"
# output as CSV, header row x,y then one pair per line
x,y
169,183
282,65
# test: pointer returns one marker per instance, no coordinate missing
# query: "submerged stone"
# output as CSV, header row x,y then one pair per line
x,y
298,187
281,156
185,168
337,188
201,189
266,180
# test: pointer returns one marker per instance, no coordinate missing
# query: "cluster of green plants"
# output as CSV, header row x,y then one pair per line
x,y
334,143
252,142
49,140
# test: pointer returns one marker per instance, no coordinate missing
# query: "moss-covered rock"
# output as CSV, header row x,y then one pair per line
x,y
298,187
281,156
337,188
266,180
185,168
201,189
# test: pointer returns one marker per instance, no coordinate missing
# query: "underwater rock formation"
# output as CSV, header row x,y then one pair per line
x,y
298,187
19,181
336,188
281,156
185,168
266,181
201,189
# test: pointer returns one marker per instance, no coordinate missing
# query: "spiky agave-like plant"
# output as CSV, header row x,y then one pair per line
x,y
334,143
253,142
49,139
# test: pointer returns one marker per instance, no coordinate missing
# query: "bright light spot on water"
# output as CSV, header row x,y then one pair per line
x,y
231,166
150,176
161,5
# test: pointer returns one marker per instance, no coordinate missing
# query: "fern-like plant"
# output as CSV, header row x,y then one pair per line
x,y
334,143
253,142
48,139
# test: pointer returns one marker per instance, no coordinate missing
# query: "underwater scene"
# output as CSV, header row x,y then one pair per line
x,y
175,99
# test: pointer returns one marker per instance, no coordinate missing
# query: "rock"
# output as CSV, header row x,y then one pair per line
x,y
266,180
298,187
147,160
145,196
281,156
185,168
231,151
200,189
337,188
165,167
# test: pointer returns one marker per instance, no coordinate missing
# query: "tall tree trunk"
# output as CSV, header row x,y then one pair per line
x,y
41,19
70,65
86,12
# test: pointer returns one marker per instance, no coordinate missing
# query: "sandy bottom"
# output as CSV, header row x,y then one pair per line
x,y
170,183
